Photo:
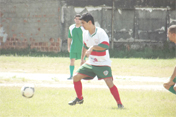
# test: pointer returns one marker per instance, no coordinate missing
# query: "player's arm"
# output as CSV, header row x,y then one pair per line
x,y
84,49
83,55
95,47
69,40
69,43
100,47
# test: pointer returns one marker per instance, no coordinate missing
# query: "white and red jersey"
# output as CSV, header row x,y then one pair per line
x,y
100,38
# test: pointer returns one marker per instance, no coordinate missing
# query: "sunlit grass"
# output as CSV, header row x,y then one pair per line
x,y
143,67
59,65
49,102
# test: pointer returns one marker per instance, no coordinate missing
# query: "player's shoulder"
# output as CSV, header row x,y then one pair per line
x,y
72,26
100,29
82,28
85,32
101,32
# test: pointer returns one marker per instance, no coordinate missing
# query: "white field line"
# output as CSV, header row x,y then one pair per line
x,y
139,87
63,77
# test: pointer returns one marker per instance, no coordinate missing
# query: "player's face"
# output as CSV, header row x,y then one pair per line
x,y
85,24
77,21
171,36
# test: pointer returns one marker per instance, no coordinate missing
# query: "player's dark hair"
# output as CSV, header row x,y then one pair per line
x,y
87,17
172,29
77,15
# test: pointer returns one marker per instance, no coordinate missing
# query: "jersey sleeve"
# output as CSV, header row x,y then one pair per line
x,y
104,44
84,38
69,34
104,40
85,46
70,30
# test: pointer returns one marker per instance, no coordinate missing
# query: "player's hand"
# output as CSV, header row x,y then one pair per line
x,y
83,61
88,52
169,83
69,49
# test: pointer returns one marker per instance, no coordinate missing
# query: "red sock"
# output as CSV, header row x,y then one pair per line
x,y
115,93
78,89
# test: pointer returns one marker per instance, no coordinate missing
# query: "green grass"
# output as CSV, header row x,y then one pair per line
x,y
60,65
48,102
52,102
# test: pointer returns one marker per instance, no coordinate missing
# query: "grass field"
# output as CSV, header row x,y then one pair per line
x,y
52,102
124,67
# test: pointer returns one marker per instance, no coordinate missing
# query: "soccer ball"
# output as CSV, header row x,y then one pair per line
x,y
28,90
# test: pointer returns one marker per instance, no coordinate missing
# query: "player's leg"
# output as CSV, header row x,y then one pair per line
x,y
83,72
106,74
78,89
114,91
72,64
72,67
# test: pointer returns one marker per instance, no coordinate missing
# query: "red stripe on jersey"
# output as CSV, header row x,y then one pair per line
x,y
105,42
84,43
95,53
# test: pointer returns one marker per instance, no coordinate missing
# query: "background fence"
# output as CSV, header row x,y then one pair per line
x,y
43,24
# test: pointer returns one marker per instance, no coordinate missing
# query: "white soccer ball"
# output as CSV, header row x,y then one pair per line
x,y
28,90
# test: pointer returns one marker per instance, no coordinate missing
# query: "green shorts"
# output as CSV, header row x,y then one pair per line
x,y
102,72
75,55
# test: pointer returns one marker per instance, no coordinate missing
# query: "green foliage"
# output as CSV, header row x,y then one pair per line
x,y
32,53
148,52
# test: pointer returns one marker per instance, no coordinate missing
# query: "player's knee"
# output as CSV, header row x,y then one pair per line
x,y
109,82
77,77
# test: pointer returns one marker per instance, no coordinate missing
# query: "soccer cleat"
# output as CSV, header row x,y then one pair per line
x,y
120,106
76,101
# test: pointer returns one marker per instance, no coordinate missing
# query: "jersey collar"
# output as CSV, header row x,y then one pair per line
x,y
77,27
93,33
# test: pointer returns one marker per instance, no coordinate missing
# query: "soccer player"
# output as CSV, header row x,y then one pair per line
x,y
75,43
171,84
96,45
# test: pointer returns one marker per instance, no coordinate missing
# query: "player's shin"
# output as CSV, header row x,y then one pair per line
x,y
71,70
115,93
78,89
